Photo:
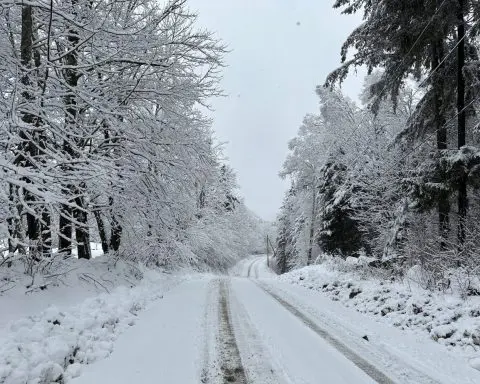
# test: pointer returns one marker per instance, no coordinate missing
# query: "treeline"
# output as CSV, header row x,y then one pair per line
x,y
102,135
396,178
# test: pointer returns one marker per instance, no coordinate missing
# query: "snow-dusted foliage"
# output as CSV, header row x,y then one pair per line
x,y
337,176
102,134
395,178
406,305
354,190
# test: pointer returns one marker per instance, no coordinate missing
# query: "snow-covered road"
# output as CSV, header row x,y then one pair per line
x,y
251,328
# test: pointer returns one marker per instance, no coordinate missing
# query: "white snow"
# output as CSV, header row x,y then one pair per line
x,y
165,330
164,347
63,282
253,266
440,330
295,351
50,345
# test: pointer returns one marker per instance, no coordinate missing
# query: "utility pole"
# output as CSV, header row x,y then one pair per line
x,y
268,265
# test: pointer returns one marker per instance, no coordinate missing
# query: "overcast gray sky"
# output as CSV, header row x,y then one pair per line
x,y
280,50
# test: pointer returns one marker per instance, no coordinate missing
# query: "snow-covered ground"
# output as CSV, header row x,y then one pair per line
x,y
165,346
254,266
249,327
182,339
72,315
442,322
61,282
291,349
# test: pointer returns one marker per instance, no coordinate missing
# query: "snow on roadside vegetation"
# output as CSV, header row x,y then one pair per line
x,y
28,289
449,319
51,345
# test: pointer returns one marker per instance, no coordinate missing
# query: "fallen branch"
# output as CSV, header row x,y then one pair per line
x,y
86,276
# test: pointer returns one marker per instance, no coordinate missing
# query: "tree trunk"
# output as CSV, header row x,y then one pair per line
x,y
284,260
46,233
101,230
441,130
27,150
116,234
462,188
14,222
115,228
65,237
82,232
312,224
71,115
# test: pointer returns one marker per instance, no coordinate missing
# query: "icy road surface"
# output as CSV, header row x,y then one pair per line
x,y
250,328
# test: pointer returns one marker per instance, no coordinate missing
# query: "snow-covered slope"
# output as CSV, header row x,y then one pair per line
x,y
443,318
70,317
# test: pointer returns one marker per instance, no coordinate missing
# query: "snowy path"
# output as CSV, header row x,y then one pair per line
x,y
294,349
163,347
251,328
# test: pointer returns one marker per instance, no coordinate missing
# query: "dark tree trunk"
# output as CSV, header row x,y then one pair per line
x,y
44,209
15,232
12,239
65,238
284,260
312,225
462,188
116,234
441,130
82,232
101,230
27,149
46,233
115,229
70,144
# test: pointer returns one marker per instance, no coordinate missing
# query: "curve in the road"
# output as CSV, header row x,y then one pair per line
x,y
253,266
249,273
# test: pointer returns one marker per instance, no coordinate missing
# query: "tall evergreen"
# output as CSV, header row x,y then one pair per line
x,y
426,40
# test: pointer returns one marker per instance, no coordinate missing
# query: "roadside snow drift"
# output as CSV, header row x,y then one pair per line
x,y
51,346
447,318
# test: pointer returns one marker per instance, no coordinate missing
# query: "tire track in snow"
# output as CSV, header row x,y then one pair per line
x,y
249,273
231,363
403,371
359,361
209,372
258,363
254,266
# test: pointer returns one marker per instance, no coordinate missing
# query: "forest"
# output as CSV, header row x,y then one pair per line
x,y
127,251
105,138
394,177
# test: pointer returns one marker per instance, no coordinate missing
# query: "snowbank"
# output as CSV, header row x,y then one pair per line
x,y
52,345
60,282
448,319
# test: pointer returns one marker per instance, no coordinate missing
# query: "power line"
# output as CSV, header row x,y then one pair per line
x,y
435,131
399,65
420,85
